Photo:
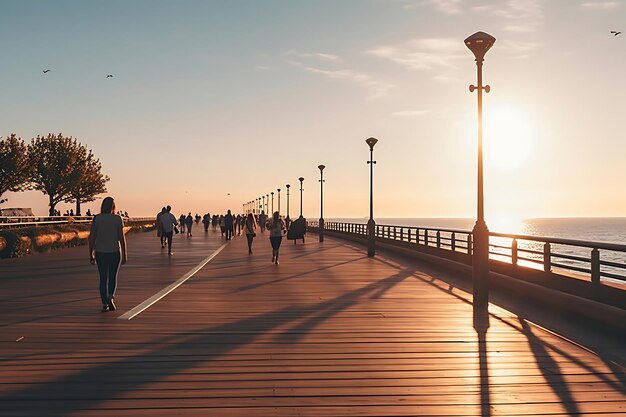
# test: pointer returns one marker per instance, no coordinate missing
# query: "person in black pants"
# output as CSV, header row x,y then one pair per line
x,y
250,230
228,223
107,248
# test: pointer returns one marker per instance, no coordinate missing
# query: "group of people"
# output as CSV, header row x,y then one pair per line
x,y
107,243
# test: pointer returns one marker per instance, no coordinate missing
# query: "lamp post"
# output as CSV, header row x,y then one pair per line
x,y
287,219
301,179
272,193
260,206
263,206
479,43
278,190
267,204
321,225
371,224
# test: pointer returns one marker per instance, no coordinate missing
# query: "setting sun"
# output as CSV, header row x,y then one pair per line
x,y
509,137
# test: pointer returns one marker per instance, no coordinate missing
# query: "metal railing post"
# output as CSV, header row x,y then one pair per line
x,y
514,252
453,241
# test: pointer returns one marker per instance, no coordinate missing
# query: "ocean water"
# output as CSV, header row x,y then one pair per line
x,y
605,230
596,229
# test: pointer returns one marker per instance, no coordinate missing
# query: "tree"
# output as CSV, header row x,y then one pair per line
x,y
90,183
15,169
55,160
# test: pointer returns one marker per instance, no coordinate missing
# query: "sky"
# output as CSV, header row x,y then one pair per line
x,y
216,103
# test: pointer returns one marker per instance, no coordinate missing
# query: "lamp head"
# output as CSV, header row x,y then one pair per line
x,y
287,186
321,167
272,193
371,142
301,179
479,43
278,189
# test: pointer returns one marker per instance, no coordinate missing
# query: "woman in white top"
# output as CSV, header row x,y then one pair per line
x,y
107,248
276,226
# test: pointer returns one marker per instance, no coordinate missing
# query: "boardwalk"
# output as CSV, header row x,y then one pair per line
x,y
328,332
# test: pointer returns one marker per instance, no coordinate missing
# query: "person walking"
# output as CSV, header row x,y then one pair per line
x,y
169,223
182,220
159,226
262,220
222,224
250,230
206,221
228,223
107,249
189,223
276,226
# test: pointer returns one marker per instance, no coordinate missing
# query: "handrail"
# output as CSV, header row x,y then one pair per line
x,y
13,222
576,258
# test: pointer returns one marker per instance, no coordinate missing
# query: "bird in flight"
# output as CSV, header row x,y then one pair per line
x,y
109,76
46,71
615,33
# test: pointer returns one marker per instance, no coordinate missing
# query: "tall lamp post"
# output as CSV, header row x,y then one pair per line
x,y
301,179
267,204
287,219
278,190
260,206
479,43
321,225
272,193
263,206
371,224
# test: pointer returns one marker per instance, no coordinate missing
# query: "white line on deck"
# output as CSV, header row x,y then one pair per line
x,y
138,309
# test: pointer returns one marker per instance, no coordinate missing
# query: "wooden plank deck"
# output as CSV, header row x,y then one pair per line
x,y
328,332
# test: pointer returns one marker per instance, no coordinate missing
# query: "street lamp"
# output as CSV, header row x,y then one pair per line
x,y
371,224
479,43
260,206
278,189
301,179
321,225
263,206
272,193
287,219
267,204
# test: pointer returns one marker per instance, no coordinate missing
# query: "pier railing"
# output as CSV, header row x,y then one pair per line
x,y
15,222
546,260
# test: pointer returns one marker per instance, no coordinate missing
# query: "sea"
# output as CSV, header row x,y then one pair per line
x,y
590,229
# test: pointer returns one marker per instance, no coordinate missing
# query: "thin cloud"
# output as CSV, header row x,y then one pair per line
x,y
411,113
600,5
309,55
376,88
263,68
446,6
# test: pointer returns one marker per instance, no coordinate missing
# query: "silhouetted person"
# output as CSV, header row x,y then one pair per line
x,y
262,220
159,226
206,221
182,219
228,223
276,226
107,248
168,222
189,223
222,224
250,230
88,214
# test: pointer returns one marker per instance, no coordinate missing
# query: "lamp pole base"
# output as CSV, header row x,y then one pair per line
x,y
371,238
321,227
480,268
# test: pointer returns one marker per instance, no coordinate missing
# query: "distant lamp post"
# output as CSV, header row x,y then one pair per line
x,y
371,224
479,43
263,206
278,190
260,206
267,204
272,193
321,225
301,179
287,219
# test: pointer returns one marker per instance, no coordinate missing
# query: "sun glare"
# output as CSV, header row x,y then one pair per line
x,y
509,137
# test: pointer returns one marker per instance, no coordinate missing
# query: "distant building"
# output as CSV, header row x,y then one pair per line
x,y
16,212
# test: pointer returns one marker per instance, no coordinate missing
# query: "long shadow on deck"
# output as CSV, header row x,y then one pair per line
x,y
86,389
